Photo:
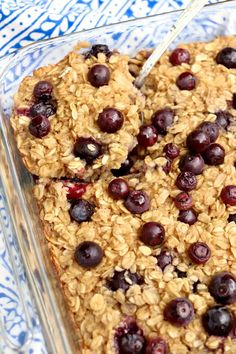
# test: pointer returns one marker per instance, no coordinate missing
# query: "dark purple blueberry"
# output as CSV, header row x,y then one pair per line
x,y
96,49
99,75
186,181
124,168
188,216
119,280
162,119
223,288
118,188
87,149
234,101
137,202
147,135
157,346
198,141
43,90
152,234
218,321
179,312
186,81
82,210
110,120
42,108
183,201
223,119
130,339
167,167
132,344
214,155
192,163
171,151
179,56
164,259
228,195
39,126
75,190
88,254
232,218
199,252
211,129
227,57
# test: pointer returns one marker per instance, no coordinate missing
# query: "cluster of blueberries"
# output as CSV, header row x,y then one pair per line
x,y
217,320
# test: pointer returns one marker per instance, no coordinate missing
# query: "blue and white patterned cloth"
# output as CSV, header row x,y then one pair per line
x,y
22,22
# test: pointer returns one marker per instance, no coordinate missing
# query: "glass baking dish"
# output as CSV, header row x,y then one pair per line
x,y
128,37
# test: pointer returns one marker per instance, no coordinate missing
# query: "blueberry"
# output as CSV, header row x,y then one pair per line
x,y
130,339
119,280
223,119
186,181
43,90
211,129
82,210
152,234
157,346
188,216
171,151
198,141
199,252
183,201
99,75
164,259
227,57
218,321
118,188
42,108
179,56
223,288
87,149
214,155
228,195
179,312
110,120
147,135
96,49
137,202
88,254
192,163
39,126
167,167
124,168
186,81
162,120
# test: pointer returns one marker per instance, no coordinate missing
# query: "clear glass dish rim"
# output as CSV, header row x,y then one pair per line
x,y
10,58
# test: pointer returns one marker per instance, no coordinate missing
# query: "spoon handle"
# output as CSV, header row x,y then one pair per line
x,y
186,16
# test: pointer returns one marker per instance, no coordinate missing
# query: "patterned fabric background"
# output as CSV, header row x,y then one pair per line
x,y
21,22
24,21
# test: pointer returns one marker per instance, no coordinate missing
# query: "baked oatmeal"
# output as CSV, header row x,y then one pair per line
x,y
79,116
145,254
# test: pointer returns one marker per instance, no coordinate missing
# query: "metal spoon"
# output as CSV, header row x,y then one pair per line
x,y
186,16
